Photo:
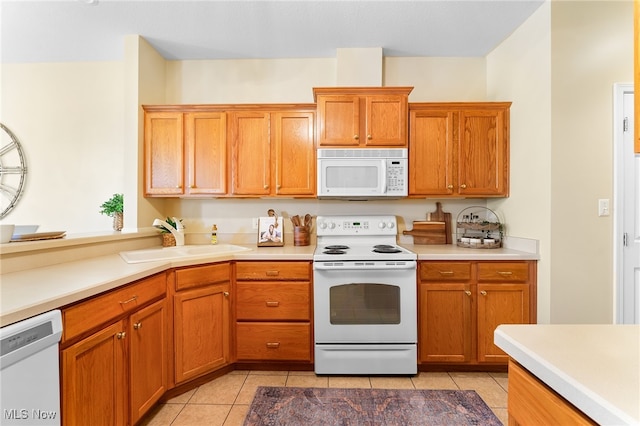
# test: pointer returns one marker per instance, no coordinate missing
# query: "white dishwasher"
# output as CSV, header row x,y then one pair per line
x,y
30,371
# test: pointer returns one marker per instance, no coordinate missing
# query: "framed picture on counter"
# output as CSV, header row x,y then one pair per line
x,y
270,232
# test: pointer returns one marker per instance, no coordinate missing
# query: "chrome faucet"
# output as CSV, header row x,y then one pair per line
x,y
178,234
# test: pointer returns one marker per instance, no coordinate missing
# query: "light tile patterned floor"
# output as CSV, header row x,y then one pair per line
x,y
225,400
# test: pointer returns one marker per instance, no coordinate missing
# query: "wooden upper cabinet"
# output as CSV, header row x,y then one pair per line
x,y
362,117
272,153
459,149
206,152
293,152
250,153
185,153
483,164
163,153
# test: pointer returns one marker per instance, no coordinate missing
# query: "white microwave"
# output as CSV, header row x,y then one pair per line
x,y
362,173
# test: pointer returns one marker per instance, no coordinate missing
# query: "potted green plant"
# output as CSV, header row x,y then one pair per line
x,y
114,207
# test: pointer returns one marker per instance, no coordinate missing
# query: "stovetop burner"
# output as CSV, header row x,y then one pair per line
x,y
386,248
336,247
334,251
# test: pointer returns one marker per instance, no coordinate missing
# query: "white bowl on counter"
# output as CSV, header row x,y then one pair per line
x,y
6,232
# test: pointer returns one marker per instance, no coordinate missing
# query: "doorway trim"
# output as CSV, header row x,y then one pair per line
x,y
619,90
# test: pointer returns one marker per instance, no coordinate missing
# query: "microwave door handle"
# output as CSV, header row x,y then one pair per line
x,y
384,176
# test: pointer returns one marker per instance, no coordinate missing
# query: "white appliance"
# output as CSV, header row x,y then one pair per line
x,y
364,173
30,372
365,307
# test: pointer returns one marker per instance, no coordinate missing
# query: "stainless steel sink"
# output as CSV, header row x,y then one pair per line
x,y
180,252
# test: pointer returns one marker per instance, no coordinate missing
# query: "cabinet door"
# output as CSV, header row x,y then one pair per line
x,y
93,379
499,304
201,330
445,322
148,358
251,154
483,153
206,150
386,121
338,120
294,157
431,152
163,153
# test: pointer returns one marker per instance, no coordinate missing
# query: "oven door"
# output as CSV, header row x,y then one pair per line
x,y
365,302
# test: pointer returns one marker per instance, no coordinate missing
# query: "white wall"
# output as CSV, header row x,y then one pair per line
x,y
591,49
519,70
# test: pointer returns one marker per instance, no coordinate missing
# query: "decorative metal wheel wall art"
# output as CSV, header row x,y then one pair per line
x,y
13,171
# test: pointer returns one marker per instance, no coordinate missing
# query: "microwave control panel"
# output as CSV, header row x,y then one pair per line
x,y
397,177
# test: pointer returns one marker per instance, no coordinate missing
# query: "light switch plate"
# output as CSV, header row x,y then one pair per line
x,y
603,207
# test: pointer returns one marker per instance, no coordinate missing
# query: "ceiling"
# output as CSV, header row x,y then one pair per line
x,y
93,30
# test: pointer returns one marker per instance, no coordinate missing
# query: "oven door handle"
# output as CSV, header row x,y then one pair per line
x,y
337,266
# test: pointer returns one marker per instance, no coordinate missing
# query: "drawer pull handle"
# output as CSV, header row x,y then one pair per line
x,y
273,273
273,345
467,292
484,293
273,304
133,299
505,273
137,326
121,335
446,272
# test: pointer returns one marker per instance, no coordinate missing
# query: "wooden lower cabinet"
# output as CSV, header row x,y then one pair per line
x,y
201,320
273,311
531,402
93,379
148,358
462,302
114,366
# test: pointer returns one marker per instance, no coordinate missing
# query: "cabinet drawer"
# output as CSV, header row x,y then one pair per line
x,y
102,309
273,271
273,301
511,272
202,275
274,341
445,271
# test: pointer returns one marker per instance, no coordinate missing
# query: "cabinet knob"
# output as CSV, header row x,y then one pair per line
x,y
121,335
137,326
449,186
266,187
225,293
463,186
467,292
356,137
482,292
369,137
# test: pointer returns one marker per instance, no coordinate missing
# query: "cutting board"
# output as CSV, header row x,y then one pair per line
x,y
440,216
427,232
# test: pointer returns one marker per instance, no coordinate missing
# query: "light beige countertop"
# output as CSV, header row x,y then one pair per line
x,y
36,289
594,367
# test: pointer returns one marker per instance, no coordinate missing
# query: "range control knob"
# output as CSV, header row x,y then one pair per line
x,y
322,225
382,225
332,225
391,225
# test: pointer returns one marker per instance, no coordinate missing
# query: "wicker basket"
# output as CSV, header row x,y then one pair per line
x,y
168,240
478,228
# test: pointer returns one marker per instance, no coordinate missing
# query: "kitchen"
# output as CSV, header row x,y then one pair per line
x,y
534,208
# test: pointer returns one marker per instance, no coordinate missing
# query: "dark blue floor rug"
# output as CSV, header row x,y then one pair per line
x,y
273,406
